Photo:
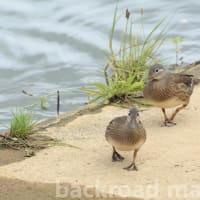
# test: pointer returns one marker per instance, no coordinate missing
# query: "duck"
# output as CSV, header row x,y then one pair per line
x,y
126,133
164,90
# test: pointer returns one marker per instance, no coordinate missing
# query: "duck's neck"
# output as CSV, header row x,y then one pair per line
x,y
131,123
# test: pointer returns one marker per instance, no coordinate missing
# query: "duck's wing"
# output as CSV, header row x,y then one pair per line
x,y
183,86
116,124
183,78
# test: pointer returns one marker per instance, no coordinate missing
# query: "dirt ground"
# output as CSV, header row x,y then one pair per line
x,y
169,159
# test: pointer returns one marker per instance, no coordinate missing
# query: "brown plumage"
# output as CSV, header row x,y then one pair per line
x,y
167,90
126,133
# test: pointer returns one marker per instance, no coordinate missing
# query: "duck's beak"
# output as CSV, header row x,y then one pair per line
x,y
150,78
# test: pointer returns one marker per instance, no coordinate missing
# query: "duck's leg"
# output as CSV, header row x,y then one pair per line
x,y
116,156
167,122
132,166
176,111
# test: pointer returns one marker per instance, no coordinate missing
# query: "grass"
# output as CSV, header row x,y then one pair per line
x,y
130,63
22,123
177,41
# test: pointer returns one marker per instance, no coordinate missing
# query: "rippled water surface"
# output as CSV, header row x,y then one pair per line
x,y
49,45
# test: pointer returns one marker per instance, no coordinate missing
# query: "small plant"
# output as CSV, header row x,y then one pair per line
x,y
22,123
43,102
177,41
43,99
129,65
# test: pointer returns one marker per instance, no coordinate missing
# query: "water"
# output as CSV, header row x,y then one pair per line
x,y
49,45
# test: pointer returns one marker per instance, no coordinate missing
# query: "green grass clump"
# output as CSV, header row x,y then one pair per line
x,y
129,65
22,123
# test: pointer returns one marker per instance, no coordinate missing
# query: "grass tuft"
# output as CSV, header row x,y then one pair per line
x,y
22,123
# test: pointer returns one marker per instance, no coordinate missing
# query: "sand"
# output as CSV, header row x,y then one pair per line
x,y
169,157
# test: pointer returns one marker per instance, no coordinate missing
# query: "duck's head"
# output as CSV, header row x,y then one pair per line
x,y
156,72
133,117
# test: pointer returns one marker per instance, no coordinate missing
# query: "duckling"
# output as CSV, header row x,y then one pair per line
x,y
126,133
166,90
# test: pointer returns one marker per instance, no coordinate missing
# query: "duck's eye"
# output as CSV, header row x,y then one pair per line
x,y
138,115
157,70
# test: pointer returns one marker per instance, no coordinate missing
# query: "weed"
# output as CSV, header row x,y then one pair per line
x,y
22,123
128,66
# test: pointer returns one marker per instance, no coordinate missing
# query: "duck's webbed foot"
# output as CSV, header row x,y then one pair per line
x,y
117,157
168,123
131,167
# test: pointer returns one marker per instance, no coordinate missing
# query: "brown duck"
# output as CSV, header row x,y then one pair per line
x,y
126,133
166,90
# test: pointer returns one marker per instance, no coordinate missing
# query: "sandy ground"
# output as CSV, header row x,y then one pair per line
x,y
169,157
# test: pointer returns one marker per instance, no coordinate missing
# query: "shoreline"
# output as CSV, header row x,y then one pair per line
x,y
169,156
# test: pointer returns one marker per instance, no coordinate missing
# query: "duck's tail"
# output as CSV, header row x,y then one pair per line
x,y
196,81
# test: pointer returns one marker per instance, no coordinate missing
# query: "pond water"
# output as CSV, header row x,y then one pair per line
x,y
47,46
